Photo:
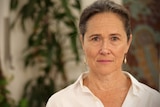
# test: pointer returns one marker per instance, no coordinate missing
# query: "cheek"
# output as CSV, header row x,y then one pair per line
x,y
120,52
90,52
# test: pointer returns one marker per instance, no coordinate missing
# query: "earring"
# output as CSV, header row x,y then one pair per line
x,y
125,59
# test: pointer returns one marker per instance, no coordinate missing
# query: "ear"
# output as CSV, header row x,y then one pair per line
x,y
81,40
129,43
130,40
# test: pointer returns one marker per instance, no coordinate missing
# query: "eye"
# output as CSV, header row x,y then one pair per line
x,y
114,38
95,38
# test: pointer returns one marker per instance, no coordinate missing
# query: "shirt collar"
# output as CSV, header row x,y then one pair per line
x,y
79,81
134,88
135,85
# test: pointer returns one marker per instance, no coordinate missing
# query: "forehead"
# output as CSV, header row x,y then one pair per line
x,y
107,21
105,18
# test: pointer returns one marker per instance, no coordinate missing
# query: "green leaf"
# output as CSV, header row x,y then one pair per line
x,y
23,103
77,4
49,3
3,82
67,9
58,15
14,4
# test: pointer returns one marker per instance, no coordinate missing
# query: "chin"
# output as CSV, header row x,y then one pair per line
x,y
103,71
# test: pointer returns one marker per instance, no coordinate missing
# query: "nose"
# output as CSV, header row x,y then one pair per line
x,y
104,50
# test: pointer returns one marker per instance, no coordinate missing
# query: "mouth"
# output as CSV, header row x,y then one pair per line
x,y
104,61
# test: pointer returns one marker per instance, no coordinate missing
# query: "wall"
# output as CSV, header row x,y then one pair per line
x,y
144,54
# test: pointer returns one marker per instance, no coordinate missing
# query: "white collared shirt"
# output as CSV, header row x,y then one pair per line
x,y
78,95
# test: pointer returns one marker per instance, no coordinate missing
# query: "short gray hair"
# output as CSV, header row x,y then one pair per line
x,y
101,6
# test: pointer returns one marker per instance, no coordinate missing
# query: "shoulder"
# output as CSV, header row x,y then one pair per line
x,y
141,86
58,97
149,91
145,93
65,95
62,94
151,95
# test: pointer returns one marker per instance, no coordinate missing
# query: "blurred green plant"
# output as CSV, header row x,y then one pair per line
x,y
5,100
53,32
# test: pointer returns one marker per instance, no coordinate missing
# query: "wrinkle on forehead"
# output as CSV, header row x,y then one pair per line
x,y
108,21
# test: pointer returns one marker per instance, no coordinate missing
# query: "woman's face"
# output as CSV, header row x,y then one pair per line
x,y
105,43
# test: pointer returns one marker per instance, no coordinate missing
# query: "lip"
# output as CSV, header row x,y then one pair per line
x,y
104,61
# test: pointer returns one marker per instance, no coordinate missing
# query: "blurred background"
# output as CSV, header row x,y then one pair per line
x,y
40,51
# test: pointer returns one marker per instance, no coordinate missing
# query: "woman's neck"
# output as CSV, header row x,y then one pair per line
x,y
112,81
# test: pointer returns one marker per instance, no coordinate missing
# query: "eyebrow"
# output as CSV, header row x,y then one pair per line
x,y
94,35
114,34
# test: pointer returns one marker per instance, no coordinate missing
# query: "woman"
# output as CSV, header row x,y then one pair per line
x,y
105,37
